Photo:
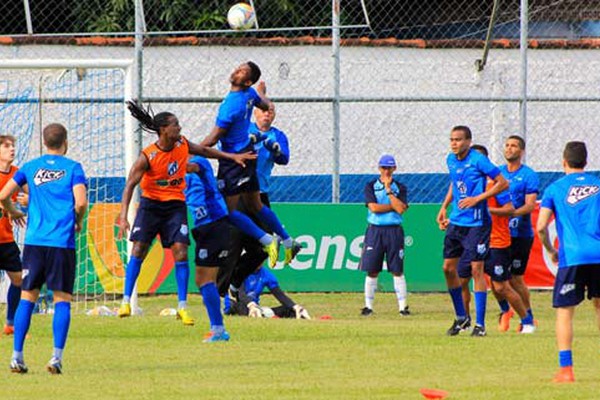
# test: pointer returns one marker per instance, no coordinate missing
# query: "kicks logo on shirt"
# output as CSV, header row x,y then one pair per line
x,y
566,288
579,193
44,175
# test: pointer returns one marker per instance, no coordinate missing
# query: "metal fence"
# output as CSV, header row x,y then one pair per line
x,y
352,79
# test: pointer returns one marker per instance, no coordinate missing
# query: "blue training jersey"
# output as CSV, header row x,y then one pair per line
x,y
234,115
204,201
51,211
266,158
575,201
375,193
468,177
257,281
523,181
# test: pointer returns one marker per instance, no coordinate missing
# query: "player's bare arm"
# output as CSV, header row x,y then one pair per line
x,y
81,205
542,229
528,207
505,211
5,197
265,104
135,176
442,217
209,152
500,184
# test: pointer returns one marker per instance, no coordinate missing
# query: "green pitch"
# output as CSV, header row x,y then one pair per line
x,y
385,356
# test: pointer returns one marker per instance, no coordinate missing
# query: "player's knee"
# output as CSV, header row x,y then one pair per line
x,y
140,250
16,279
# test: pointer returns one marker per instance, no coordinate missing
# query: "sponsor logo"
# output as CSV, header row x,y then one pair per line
x,y
462,187
516,264
183,229
24,273
481,248
223,253
202,253
221,184
498,270
401,254
166,182
44,175
172,168
135,229
243,180
152,155
368,248
566,288
579,193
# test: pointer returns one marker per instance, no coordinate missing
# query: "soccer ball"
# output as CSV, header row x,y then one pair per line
x,y
267,312
241,16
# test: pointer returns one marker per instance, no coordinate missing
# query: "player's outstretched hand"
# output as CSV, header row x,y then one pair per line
x,y
254,310
301,312
241,158
123,226
261,88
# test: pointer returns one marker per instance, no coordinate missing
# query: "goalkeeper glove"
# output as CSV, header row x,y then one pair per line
x,y
256,137
254,310
301,312
272,146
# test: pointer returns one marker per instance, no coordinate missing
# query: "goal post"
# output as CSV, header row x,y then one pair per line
x,y
89,97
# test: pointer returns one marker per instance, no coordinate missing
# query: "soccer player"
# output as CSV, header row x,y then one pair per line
x,y
465,229
574,200
249,298
231,130
211,233
57,205
10,260
160,171
386,200
497,264
524,188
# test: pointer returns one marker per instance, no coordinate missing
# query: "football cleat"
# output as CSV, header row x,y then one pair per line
x,y
365,312
564,375
479,331
8,330
527,328
124,310
458,326
272,250
504,320
18,366
405,312
185,317
54,366
216,337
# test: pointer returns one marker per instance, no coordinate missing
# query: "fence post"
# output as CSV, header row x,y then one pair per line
x,y
335,44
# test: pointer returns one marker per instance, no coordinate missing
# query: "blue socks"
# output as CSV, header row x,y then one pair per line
x,y
212,301
60,326
246,225
131,274
565,358
182,276
504,307
12,301
22,321
530,313
528,320
457,302
480,303
268,217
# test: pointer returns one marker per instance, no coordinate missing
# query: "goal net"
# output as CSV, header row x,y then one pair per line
x,y
87,97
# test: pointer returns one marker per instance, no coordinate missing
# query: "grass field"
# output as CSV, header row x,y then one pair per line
x,y
385,356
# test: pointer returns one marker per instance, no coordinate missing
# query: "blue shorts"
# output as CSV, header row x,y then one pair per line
x,y
383,241
497,265
10,257
234,179
165,218
464,267
54,266
212,243
571,282
520,247
471,241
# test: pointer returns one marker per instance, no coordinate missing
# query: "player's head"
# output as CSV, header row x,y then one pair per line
x,y
55,137
264,119
245,75
514,148
575,155
387,164
480,149
7,148
460,139
163,123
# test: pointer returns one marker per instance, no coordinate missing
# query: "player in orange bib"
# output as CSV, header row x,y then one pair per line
x,y
10,260
160,171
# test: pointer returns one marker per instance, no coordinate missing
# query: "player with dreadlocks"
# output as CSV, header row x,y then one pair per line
x,y
160,170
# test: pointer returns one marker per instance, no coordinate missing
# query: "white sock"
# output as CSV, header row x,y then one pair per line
x,y
181,305
370,288
126,299
400,288
287,243
266,239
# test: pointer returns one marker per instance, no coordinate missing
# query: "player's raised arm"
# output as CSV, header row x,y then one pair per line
x,y
209,152
135,176
5,197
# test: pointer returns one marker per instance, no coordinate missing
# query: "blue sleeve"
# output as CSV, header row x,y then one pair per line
x,y
20,177
255,97
487,167
284,154
503,197
224,117
370,193
79,175
547,200
269,279
532,183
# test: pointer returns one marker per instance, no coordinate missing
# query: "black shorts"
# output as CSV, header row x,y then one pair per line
x,y
520,248
212,243
471,242
497,265
234,179
571,282
383,241
54,266
10,257
165,218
